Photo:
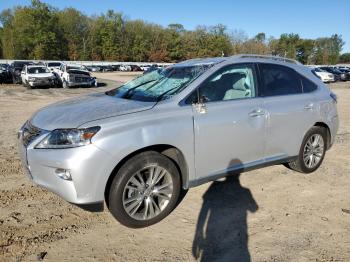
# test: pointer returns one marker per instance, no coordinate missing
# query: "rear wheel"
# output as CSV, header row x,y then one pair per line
x,y
312,151
145,190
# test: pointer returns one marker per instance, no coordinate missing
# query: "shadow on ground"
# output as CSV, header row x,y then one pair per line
x,y
221,233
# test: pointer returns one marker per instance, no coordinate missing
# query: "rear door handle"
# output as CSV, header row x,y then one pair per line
x,y
257,112
309,106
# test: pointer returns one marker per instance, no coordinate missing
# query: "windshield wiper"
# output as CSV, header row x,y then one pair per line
x,y
127,94
160,97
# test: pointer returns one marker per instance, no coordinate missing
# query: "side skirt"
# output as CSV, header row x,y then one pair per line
x,y
240,168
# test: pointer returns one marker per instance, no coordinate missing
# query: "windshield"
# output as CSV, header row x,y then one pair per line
x,y
318,70
38,70
159,84
76,68
20,64
54,64
4,66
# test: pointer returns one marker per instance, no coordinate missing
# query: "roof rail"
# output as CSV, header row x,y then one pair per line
x,y
277,58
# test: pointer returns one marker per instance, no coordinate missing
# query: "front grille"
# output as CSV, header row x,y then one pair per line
x,y
29,133
82,79
42,79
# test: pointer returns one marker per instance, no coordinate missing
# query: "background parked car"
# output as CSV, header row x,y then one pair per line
x,y
75,75
53,66
16,69
346,72
151,69
125,68
116,67
135,68
337,74
93,68
106,68
5,74
325,76
37,75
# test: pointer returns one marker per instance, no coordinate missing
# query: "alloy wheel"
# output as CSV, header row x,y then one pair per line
x,y
313,151
148,192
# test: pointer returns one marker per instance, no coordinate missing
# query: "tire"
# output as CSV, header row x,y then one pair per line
x,y
27,85
318,152
64,84
142,201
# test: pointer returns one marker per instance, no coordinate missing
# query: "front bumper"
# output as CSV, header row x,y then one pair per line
x,y
35,83
328,79
88,166
91,82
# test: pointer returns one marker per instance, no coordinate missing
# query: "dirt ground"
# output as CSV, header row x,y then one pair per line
x,y
271,214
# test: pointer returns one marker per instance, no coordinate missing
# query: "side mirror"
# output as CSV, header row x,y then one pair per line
x,y
203,99
201,107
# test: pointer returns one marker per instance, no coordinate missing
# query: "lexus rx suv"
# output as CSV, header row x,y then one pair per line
x,y
137,149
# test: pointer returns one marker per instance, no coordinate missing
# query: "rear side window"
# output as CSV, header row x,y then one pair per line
x,y
279,80
308,86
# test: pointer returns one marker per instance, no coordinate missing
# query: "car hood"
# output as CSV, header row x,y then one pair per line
x,y
78,72
74,112
40,75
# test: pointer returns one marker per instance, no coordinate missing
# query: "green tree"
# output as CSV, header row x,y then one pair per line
x,y
344,58
75,29
327,49
32,33
305,51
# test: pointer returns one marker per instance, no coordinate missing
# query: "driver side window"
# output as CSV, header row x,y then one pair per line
x,y
229,83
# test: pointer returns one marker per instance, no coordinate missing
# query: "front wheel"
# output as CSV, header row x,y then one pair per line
x,y
65,84
145,190
312,151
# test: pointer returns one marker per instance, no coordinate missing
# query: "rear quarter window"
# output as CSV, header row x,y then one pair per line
x,y
279,80
308,86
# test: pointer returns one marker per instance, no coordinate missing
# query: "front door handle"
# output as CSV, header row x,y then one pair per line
x,y
309,106
257,112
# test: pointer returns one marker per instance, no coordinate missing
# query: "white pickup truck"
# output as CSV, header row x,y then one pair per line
x,y
75,75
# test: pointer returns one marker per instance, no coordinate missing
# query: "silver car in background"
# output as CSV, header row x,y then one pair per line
x,y
139,147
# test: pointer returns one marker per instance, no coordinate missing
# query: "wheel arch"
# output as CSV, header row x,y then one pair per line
x,y
172,152
328,132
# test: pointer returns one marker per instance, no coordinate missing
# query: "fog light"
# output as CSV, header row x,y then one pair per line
x,y
63,173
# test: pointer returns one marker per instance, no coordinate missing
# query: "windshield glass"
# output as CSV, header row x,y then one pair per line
x,y
76,68
20,64
38,70
159,84
54,64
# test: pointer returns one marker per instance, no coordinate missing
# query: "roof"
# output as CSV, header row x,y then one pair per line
x,y
32,66
238,58
202,61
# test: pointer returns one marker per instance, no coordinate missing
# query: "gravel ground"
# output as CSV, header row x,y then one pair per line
x,y
271,214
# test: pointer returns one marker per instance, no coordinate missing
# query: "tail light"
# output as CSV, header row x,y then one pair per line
x,y
334,97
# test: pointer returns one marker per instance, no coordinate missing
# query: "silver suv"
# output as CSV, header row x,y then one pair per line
x,y
139,147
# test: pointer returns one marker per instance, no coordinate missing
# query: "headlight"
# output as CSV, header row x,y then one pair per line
x,y
67,138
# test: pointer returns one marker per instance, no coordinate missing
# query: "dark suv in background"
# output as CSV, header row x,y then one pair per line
x,y
5,74
16,68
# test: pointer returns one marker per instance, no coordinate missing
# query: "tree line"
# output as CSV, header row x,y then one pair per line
x,y
40,31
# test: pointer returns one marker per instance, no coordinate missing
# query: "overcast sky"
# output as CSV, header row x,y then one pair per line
x,y
308,18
